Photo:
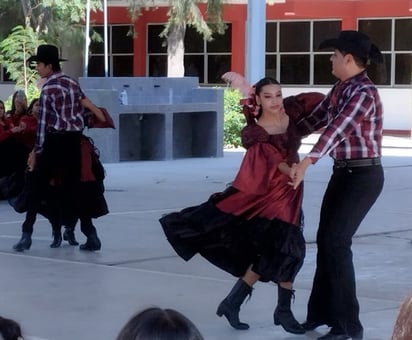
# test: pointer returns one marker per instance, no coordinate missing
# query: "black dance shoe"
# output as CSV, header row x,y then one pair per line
x,y
69,236
330,336
57,239
92,244
333,335
24,242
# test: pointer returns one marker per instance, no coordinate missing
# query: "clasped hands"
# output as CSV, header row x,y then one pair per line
x,y
18,128
297,172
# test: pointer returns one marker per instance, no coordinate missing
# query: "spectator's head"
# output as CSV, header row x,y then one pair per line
x,y
403,324
19,103
159,324
34,108
9,330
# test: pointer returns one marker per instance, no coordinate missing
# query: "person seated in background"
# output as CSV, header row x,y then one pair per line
x,y
155,323
18,106
10,329
403,323
16,131
21,118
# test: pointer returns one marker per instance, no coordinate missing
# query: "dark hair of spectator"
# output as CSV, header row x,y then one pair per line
x,y
30,108
10,329
159,324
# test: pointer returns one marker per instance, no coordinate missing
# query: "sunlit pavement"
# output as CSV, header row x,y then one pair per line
x,y
65,294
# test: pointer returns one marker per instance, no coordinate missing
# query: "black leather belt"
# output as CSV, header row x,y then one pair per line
x,y
355,163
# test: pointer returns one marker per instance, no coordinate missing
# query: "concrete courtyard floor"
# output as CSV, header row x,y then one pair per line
x,y
65,294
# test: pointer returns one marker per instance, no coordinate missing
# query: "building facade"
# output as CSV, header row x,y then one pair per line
x,y
294,29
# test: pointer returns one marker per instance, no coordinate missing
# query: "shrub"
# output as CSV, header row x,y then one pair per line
x,y
234,119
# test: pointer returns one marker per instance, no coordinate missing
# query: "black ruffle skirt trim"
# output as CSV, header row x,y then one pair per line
x,y
274,248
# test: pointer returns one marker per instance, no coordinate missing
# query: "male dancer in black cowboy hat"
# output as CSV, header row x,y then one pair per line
x,y
352,116
63,160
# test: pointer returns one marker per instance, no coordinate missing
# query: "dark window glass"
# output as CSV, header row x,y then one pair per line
x,y
403,69
157,65
323,30
96,66
122,66
194,66
270,68
194,42
271,42
122,41
380,74
217,65
294,36
323,70
294,69
403,34
379,31
97,47
154,42
221,42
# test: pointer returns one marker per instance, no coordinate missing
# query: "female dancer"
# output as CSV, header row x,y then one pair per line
x,y
253,229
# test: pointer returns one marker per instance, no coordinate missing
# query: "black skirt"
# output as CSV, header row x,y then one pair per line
x,y
275,249
58,185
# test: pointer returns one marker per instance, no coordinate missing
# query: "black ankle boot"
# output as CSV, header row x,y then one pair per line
x,y
230,306
92,243
283,315
69,236
24,242
57,239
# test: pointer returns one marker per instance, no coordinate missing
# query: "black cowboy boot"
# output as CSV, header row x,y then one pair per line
x,y
283,315
230,306
69,236
57,239
24,242
92,243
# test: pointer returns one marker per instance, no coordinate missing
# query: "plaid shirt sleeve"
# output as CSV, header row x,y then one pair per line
x,y
41,125
347,119
317,119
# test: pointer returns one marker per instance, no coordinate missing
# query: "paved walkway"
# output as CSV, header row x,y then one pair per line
x,y
64,294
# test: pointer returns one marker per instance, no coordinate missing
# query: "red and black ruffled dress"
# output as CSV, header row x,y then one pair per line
x,y
256,221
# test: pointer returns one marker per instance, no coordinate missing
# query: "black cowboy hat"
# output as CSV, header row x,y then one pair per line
x,y
355,43
48,54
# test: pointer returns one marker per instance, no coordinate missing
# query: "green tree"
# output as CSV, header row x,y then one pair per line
x,y
183,13
27,23
234,120
15,50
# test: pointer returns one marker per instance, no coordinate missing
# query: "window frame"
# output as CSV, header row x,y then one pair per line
x,y
110,53
204,53
392,52
311,53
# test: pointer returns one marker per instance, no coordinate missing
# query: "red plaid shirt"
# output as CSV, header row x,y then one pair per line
x,y
60,107
352,114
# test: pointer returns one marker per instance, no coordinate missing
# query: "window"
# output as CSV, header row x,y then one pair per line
x,y
298,61
207,60
392,36
120,52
